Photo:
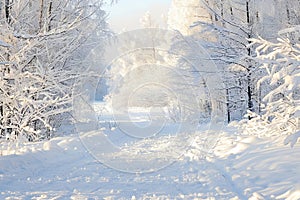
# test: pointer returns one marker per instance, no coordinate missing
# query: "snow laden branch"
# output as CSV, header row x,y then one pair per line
x,y
281,62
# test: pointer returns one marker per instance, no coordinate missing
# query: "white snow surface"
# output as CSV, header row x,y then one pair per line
x,y
4,44
238,167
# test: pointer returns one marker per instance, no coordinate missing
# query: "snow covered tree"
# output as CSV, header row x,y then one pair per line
x,y
47,41
142,76
182,17
281,115
152,74
233,23
183,14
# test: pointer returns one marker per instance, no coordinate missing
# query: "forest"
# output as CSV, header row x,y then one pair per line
x,y
217,76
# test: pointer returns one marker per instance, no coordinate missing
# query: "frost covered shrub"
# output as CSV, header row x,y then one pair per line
x,y
280,116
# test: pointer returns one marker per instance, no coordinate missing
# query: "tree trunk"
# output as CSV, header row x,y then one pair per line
x,y
249,83
249,93
288,15
49,16
1,9
227,105
7,8
41,14
1,115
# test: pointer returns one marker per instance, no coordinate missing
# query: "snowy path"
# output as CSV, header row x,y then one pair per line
x,y
77,174
241,168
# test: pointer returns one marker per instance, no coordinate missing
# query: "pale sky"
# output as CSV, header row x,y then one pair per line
x,y
126,14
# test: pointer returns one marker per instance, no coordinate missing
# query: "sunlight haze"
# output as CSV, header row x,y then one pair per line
x,y
126,14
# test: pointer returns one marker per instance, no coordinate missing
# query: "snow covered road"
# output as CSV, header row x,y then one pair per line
x,y
240,167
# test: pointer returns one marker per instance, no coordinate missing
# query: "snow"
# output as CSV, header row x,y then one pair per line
x,y
4,44
289,30
238,167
